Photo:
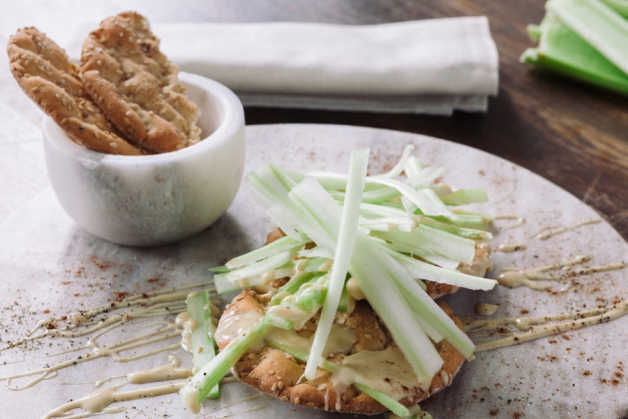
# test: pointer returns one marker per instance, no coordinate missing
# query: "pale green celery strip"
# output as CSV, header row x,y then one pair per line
x,y
201,383
398,168
422,270
414,412
384,399
243,277
465,196
278,246
426,239
425,307
620,6
272,199
374,196
413,171
462,220
278,321
374,211
430,331
425,199
405,224
316,252
390,305
599,25
534,32
201,341
293,285
562,50
344,248
468,233
284,211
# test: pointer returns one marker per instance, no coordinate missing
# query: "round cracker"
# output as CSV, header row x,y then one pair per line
x,y
277,373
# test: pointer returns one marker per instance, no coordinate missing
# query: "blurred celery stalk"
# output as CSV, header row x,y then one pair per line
x,y
566,46
620,6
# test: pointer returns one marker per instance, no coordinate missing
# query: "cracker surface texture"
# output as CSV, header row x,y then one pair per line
x,y
136,86
45,73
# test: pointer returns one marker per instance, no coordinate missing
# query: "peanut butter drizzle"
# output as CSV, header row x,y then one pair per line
x,y
162,302
519,221
513,278
99,400
575,321
550,232
511,247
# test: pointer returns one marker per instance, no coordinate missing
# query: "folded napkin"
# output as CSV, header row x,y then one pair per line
x,y
427,66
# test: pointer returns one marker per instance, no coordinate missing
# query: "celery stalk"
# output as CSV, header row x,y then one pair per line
x,y
426,240
243,277
390,305
425,307
422,270
201,383
564,51
344,248
465,196
201,341
620,6
598,24
281,245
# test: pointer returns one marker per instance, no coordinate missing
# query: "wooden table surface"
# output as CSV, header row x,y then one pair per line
x,y
572,134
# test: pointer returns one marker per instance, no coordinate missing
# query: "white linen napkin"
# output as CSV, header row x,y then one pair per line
x,y
426,66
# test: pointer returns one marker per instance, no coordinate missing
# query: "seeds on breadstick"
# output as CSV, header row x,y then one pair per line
x,y
44,72
136,86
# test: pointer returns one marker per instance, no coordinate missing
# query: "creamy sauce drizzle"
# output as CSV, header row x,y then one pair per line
x,y
99,400
111,411
158,303
387,371
486,309
167,372
549,232
519,221
546,328
511,247
513,278
112,351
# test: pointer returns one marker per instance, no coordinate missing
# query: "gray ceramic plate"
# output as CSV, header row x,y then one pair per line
x,y
47,263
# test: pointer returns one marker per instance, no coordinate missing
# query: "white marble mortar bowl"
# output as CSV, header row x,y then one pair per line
x,y
154,199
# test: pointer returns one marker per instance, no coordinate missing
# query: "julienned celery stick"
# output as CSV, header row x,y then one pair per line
x,y
427,271
599,25
390,306
465,196
197,387
620,6
425,240
250,275
415,412
344,248
278,246
201,340
562,50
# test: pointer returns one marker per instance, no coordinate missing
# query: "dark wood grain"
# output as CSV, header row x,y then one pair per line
x,y
572,134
